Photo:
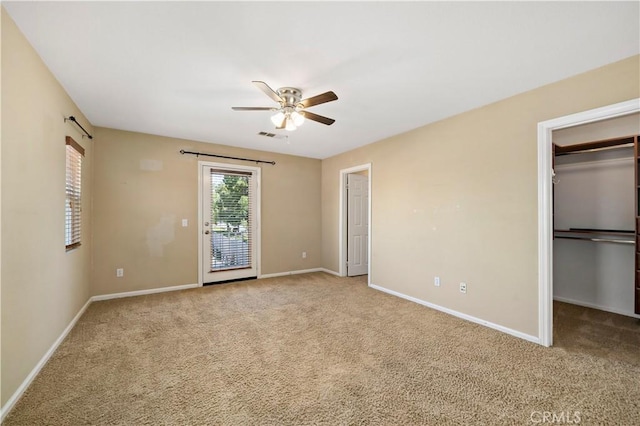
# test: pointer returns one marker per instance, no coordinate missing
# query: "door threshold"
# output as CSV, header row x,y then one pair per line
x,y
229,281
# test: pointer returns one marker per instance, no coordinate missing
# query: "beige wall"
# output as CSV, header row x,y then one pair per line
x,y
2,400
43,286
458,199
143,189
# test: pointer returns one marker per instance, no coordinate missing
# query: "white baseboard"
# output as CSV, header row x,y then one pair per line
x,y
598,307
528,337
142,292
329,271
282,274
302,271
8,406
25,384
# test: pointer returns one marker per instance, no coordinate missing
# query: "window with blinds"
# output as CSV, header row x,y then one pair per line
x,y
231,219
73,189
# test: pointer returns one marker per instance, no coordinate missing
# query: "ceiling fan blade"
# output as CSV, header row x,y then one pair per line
x,y
319,118
268,91
319,99
252,108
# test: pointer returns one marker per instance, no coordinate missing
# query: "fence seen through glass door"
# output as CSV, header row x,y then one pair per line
x,y
231,219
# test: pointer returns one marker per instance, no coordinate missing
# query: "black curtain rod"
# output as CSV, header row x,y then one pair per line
x,y
72,118
197,154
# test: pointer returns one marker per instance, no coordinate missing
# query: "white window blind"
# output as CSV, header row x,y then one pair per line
x,y
73,189
231,219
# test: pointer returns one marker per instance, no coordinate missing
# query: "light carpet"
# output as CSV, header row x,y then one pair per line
x,y
317,349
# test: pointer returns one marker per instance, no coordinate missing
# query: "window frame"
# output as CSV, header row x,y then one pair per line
x,y
73,192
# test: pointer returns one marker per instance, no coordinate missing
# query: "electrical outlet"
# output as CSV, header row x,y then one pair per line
x,y
436,281
463,287
120,272
304,254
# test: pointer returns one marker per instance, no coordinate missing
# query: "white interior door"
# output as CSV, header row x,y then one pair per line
x,y
357,225
229,222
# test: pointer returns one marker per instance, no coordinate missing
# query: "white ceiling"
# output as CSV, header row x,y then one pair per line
x,y
176,68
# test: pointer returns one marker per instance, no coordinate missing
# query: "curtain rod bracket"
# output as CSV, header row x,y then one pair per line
x,y
198,154
72,118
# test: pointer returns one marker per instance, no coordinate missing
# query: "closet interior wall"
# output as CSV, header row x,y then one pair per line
x,y
596,190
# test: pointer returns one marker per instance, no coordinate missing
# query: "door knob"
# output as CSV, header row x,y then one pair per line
x,y
206,232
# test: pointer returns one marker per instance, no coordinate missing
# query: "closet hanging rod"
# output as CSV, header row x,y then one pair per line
x,y
595,231
604,148
597,240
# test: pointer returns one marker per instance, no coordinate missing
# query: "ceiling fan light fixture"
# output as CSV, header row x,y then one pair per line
x,y
297,118
291,111
277,118
291,125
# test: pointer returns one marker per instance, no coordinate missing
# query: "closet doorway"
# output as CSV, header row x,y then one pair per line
x,y
594,214
545,202
594,239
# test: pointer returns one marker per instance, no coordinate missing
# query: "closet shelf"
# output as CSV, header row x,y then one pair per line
x,y
597,240
595,235
624,142
595,231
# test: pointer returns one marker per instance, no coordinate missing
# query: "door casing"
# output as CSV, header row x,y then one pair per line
x,y
342,220
255,238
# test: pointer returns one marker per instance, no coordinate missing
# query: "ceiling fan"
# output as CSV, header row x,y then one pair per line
x,y
291,112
